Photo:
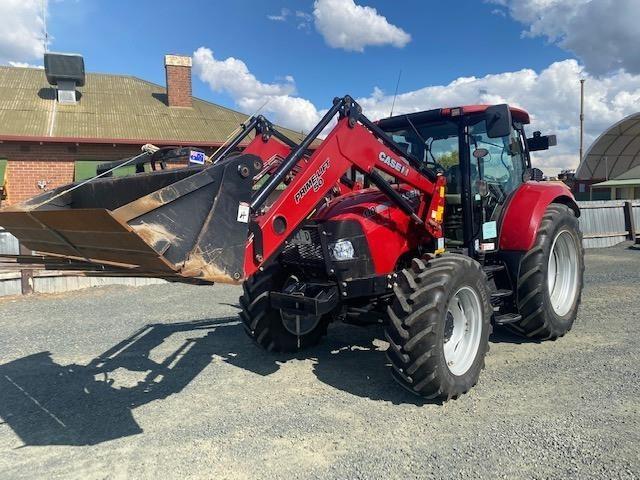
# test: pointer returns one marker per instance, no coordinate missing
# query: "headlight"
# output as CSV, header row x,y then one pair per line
x,y
342,250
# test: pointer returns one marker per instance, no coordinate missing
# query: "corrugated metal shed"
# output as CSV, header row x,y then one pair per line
x,y
614,152
113,107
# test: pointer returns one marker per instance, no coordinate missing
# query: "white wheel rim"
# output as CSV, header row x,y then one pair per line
x,y
562,273
463,329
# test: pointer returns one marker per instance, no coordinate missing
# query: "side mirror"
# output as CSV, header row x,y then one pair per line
x,y
498,121
541,142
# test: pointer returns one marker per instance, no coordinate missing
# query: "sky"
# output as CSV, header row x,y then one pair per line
x,y
291,57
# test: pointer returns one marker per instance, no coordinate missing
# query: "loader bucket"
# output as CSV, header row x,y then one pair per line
x,y
181,224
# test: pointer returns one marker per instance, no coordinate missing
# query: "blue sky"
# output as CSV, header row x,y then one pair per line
x,y
131,37
297,55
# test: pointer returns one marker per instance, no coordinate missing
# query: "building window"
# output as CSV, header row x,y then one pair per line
x,y
85,169
581,187
601,194
3,179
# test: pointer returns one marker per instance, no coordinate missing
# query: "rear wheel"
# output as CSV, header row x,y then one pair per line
x,y
269,327
550,277
439,325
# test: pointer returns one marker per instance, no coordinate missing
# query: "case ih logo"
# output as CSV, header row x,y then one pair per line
x,y
398,166
315,181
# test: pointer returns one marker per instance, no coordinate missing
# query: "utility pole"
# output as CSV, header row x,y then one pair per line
x,y
45,32
581,117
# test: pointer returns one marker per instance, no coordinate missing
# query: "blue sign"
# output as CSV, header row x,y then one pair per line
x,y
196,157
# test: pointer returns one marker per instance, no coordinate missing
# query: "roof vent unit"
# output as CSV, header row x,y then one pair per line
x,y
66,71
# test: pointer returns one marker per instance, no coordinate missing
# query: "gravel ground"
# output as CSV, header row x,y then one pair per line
x,y
161,381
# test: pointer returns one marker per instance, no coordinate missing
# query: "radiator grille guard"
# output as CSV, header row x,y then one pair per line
x,y
309,253
179,224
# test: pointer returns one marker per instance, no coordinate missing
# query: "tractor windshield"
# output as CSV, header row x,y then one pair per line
x,y
436,143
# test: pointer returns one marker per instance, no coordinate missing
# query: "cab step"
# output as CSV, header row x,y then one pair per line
x,y
491,270
507,318
499,295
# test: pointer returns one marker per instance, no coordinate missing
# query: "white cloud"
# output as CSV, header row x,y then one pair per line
x,y
233,77
22,35
284,13
25,65
551,97
602,33
304,15
303,20
352,27
292,112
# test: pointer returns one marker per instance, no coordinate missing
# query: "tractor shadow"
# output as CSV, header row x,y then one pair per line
x,y
47,403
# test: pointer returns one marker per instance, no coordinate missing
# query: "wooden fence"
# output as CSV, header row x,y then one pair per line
x,y
603,223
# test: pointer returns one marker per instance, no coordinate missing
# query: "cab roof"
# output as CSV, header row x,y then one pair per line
x,y
436,114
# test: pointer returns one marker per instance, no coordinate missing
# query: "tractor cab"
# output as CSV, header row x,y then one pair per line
x,y
483,153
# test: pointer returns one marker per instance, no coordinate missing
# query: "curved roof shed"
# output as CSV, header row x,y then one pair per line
x,y
615,151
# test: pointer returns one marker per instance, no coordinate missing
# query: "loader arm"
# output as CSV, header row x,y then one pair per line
x,y
354,142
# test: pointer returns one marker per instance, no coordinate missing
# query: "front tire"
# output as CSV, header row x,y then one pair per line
x,y
551,277
439,326
264,324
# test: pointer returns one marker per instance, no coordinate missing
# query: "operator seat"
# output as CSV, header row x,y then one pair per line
x,y
454,183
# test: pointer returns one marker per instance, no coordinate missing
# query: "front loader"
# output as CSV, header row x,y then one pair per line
x,y
453,234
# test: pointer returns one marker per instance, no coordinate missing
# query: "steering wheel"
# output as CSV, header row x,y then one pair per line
x,y
436,166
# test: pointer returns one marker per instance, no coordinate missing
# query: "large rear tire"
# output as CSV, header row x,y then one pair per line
x,y
551,277
439,326
265,324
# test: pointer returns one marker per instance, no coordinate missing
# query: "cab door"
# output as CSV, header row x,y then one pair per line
x,y
496,167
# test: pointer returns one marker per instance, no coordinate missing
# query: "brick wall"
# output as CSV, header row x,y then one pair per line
x,y
53,163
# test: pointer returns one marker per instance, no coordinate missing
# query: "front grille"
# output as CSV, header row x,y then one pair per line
x,y
305,254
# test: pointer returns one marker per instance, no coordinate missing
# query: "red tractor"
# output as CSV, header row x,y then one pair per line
x,y
452,232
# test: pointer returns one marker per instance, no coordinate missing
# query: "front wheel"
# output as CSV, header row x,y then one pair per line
x,y
269,327
439,326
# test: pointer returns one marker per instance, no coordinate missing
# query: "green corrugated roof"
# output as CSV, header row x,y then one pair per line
x,y
618,183
110,107
630,177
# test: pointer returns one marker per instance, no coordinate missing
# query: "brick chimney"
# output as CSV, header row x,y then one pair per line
x,y
178,68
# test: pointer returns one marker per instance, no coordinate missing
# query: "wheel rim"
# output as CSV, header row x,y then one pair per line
x,y
298,325
463,329
562,273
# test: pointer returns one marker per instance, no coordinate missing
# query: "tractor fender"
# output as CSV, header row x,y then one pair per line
x,y
524,212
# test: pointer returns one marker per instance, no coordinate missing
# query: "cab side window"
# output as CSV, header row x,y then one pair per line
x,y
499,161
